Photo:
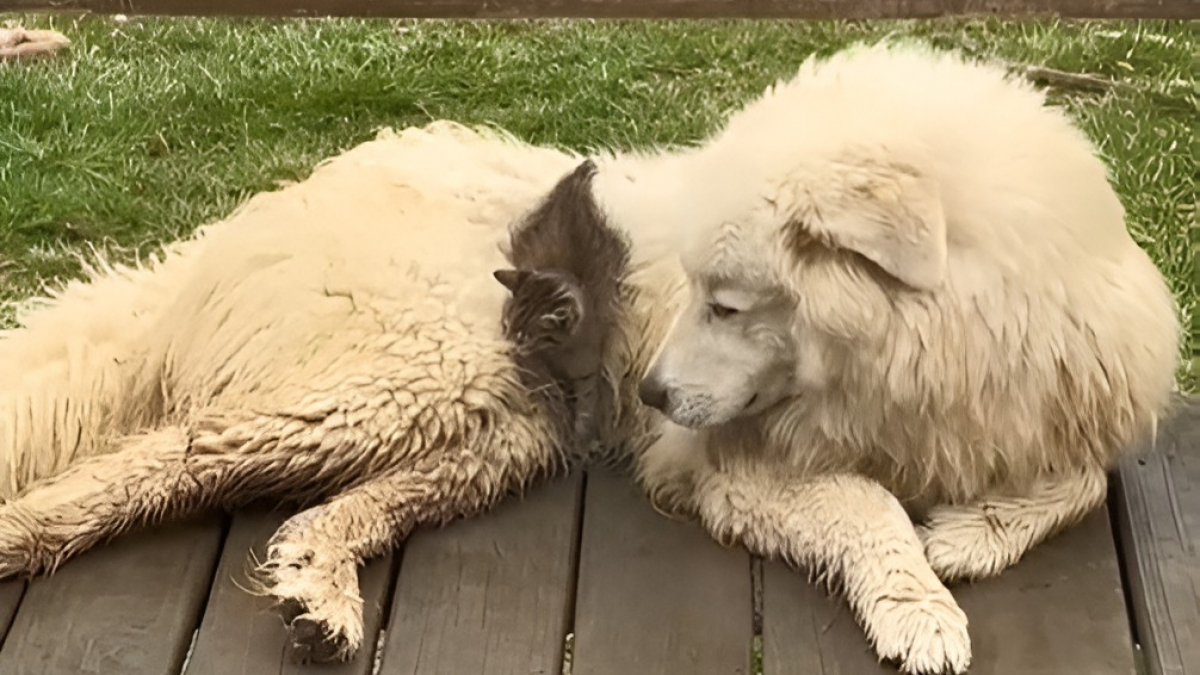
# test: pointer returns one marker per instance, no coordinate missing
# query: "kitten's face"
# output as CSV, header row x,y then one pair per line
x,y
546,309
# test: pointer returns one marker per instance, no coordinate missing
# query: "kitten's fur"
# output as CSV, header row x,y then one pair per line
x,y
566,286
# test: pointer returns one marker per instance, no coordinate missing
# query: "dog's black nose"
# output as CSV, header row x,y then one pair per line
x,y
653,394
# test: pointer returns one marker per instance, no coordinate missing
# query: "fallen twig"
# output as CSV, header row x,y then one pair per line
x,y
1064,80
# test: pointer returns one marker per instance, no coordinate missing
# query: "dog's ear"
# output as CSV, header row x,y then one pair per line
x,y
890,214
511,279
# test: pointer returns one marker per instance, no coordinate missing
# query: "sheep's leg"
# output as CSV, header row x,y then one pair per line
x,y
312,561
983,538
173,472
854,531
94,499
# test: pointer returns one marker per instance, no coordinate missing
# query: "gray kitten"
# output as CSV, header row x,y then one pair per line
x,y
566,287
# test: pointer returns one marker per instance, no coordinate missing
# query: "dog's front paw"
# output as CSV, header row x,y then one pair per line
x,y
318,600
925,635
964,543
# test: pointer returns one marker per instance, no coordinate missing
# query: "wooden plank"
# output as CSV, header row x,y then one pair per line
x,y
489,594
129,607
656,596
1060,610
11,592
631,9
805,631
1158,502
241,634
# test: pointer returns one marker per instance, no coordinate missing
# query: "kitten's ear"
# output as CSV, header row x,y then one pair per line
x,y
511,279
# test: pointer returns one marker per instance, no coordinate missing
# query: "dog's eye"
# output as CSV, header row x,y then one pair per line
x,y
721,311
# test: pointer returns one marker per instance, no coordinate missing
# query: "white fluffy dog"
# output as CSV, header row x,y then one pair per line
x,y
908,268
904,276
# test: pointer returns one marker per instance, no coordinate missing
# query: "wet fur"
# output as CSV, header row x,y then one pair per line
x,y
360,371
398,401
395,400
411,413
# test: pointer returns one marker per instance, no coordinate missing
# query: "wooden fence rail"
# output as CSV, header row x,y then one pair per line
x,y
631,9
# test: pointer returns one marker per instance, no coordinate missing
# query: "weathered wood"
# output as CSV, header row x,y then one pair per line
x,y
241,633
1060,610
1158,500
643,9
11,592
656,596
129,607
806,631
489,594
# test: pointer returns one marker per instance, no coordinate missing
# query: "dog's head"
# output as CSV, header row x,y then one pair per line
x,y
798,281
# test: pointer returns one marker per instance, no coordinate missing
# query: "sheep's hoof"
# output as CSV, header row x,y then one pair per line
x,y
313,640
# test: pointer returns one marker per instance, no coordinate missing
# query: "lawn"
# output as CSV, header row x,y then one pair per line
x,y
146,128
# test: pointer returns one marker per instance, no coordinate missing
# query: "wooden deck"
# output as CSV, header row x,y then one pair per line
x,y
588,557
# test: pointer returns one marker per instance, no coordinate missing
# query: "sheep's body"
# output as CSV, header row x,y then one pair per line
x,y
292,353
288,300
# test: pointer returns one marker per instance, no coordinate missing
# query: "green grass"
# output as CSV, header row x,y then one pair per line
x,y
144,130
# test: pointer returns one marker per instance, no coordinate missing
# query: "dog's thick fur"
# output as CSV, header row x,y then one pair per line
x,y
931,257
926,280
